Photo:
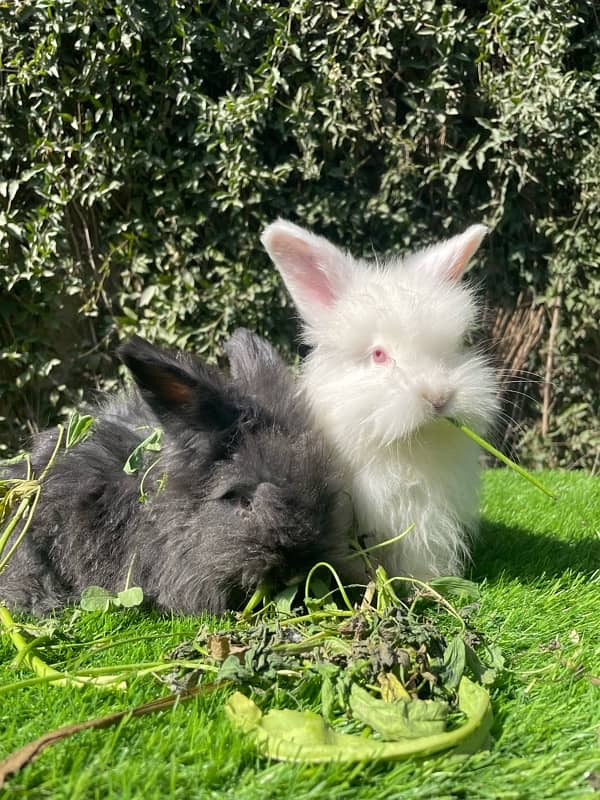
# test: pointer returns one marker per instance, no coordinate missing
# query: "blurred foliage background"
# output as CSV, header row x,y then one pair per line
x,y
144,145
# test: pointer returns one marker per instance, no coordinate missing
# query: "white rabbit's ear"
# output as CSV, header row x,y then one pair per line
x,y
315,272
450,258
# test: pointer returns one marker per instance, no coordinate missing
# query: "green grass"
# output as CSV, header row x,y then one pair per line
x,y
538,562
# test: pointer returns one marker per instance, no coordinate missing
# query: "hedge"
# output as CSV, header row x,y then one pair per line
x,y
144,145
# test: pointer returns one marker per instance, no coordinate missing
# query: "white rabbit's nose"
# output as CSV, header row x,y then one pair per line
x,y
438,400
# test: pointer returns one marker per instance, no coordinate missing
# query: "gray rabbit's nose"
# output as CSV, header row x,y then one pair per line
x,y
266,491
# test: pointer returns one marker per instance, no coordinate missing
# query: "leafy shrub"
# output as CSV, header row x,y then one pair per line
x,y
144,146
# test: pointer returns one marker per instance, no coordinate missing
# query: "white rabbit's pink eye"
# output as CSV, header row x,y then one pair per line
x,y
379,355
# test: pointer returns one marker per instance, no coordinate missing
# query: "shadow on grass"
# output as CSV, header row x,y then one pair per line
x,y
523,554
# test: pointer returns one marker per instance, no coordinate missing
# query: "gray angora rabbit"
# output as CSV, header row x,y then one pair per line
x,y
241,492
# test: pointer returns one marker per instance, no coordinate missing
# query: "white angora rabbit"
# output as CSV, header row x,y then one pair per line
x,y
388,368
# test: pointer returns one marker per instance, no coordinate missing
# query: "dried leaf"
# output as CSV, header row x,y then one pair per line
x,y
391,688
218,646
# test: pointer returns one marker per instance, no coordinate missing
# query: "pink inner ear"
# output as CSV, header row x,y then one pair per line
x,y
465,246
303,268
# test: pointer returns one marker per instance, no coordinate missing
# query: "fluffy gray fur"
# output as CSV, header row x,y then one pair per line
x,y
248,497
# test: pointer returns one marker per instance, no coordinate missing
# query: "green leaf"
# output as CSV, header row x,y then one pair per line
x,y
79,428
485,669
233,670
329,687
402,719
318,597
95,598
453,665
283,601
505,459
260,593
452,586
153,442
302,736
5,462
134,596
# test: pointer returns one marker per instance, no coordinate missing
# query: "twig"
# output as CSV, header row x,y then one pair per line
x,y
25,755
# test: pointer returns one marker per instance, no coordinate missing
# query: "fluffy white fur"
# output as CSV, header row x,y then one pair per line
x,y
387,369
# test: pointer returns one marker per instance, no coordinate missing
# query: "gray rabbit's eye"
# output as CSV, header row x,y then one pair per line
x,y
239,497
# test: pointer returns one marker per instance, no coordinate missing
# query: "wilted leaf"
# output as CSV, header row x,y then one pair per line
x,y
136,459
453,665
391,688
218,646
402,719
303,736
233,670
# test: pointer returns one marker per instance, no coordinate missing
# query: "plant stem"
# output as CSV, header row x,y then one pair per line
x,y
501,457
43,670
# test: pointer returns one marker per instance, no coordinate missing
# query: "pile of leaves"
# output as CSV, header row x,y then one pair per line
x,y
386,681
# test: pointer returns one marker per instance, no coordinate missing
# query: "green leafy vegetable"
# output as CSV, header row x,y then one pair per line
x,y
153,443
255,600
288,735
486,668
128,598
79,428
453,586
402,719
283,601
453,665
95,598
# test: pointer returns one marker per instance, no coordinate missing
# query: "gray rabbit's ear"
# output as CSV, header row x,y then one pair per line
x,y
178,387
251,355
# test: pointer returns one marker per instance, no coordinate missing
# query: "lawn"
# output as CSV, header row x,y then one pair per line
x,y
538,563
